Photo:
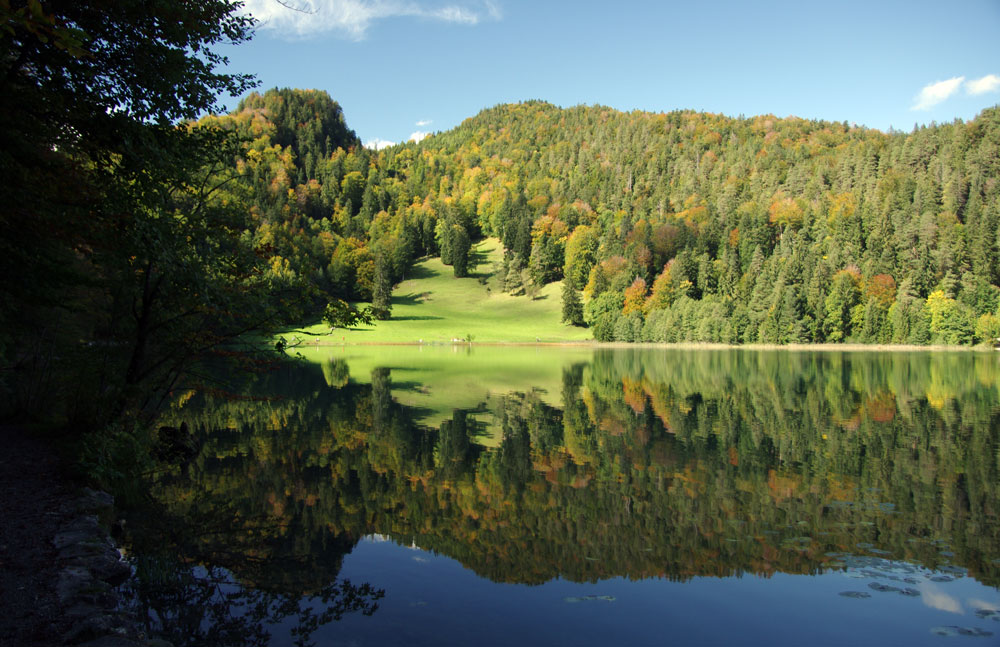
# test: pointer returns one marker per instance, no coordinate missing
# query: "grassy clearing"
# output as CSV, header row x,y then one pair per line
x,y
434,307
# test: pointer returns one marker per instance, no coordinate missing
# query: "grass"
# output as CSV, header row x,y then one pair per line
x,y
437,370
433,307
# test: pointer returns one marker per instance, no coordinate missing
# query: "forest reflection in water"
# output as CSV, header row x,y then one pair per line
x,y
529,466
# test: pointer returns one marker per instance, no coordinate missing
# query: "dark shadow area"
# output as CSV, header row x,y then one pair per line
x,y
418,272
416,318
410,299
479,265
395,370
477,258
410,386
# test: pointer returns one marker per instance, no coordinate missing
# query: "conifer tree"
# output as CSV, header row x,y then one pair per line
x,y
381,290
443,236
572,305
460,247
514,282
504,270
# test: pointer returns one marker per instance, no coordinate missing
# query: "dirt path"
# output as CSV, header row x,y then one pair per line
x,y
34,491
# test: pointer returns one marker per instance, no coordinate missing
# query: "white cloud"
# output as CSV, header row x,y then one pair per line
x,y
424,122
934,598
417,136
976,603
378,144
493,9
937,92
352,18
989,83
454,14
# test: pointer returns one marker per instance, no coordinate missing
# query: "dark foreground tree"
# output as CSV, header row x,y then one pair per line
x,y
340,313
123,263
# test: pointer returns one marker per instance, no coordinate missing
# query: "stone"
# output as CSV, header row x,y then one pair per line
x,y
93,628
74,538
95,501
78,585
83,549
91,565
73,580
80,611
85,523
109,567
112,641
99,498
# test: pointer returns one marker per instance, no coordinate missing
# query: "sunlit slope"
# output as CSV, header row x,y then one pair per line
x,y
434,307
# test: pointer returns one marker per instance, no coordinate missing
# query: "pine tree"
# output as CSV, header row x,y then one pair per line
x,y
443,236
842,298
381,290
531,286
504,270
513,282
460,247
572,305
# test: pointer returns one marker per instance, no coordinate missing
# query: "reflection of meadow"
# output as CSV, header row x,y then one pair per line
x,y
644,463
434,380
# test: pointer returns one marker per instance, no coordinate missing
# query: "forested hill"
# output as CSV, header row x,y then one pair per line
x,y
677,226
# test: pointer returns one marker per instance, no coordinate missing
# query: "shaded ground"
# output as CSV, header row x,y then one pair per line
x,y
33,493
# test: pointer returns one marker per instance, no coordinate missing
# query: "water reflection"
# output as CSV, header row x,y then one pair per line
x,y
626,463
207,605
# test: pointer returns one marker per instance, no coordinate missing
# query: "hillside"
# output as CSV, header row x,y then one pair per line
x,y
706,228
676,227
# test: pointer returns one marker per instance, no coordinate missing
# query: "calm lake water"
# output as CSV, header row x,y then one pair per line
x,y
500,496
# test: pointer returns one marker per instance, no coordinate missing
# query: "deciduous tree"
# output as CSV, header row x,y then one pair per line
x,y
108,214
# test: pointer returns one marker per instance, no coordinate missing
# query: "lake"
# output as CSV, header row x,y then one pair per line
x,y
453,495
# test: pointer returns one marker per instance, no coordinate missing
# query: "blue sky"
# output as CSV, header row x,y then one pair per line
x,y
400,68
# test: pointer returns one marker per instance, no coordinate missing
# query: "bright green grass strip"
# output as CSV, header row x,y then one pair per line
x,y
434,307
437,379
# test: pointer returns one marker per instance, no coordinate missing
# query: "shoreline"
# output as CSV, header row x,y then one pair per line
x,y
59,566
826,348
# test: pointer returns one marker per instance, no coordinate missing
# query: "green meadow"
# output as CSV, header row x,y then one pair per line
x,y
433,307
425,344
